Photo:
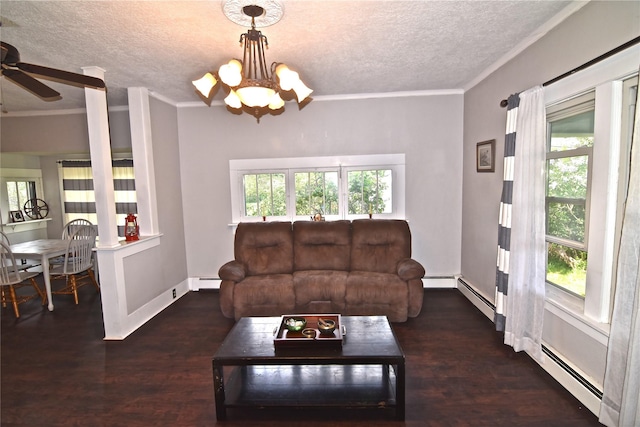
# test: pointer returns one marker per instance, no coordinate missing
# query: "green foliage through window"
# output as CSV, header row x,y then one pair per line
x,y
568,155
316,192
369,191
265,194
567,268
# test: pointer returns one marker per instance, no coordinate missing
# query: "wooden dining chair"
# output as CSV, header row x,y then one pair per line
x,y
78,263
22,264
67,231
11,279
73,225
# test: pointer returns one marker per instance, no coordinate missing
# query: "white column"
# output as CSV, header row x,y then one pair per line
x,y
100,146
142,149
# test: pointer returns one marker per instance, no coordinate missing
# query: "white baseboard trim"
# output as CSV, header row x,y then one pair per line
x,y
568,381
477,300
145,313
439,282
574,384
197,283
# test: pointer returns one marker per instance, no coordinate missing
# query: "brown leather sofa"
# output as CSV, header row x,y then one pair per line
x,y
362,267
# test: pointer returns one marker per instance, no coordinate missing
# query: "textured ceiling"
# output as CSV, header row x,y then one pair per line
x,y
338,47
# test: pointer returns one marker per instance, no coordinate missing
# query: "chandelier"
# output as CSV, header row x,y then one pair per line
x,y
250,85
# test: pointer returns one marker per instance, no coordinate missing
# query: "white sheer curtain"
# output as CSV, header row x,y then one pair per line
x,y
524,305
621,398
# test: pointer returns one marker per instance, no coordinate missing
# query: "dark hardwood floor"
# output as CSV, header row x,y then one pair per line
x,y
58,371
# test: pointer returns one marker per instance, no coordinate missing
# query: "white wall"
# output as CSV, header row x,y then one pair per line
x,y
428,129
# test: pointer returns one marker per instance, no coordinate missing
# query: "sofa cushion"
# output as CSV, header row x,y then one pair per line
x,y
264,247
376,294
265,295
378,245
315,286
321,245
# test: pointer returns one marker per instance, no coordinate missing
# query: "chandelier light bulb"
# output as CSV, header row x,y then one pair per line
x,y
287,77
276,102
205,84
233,100
231,73
302,91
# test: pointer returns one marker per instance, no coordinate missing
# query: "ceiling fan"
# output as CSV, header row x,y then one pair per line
x,y
20,74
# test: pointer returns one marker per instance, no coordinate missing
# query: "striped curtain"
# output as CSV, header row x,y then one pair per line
x,y
504,225
79,197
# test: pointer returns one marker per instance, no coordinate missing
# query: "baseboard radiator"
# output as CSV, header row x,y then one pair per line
x,y
488,308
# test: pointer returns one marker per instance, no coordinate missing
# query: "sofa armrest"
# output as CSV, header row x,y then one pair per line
x,y
233,271
409,269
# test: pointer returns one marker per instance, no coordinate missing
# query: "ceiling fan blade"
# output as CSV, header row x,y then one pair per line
x,y
32,85
60,76
3,52
10,54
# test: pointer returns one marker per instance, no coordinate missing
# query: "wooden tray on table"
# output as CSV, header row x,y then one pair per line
x,y
284,338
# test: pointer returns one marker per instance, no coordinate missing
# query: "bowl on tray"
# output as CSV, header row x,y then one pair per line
x,y
295,324
326,326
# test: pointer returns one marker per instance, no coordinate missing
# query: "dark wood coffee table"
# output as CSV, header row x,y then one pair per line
x,y
368,371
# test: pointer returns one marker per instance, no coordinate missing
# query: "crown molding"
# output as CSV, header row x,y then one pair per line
x,y
417,93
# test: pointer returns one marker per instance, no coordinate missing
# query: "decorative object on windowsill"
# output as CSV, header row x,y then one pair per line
x,y
131,229
249,84
16,216
317,217
485,156
36,209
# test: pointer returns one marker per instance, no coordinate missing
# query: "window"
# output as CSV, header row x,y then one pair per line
x,y
570,140
369,191
336,187
589,116
79,199
316,192
264,194
19,192
17,186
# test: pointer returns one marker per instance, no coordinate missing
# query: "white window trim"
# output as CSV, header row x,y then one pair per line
x,y
606,79
395,162
16,174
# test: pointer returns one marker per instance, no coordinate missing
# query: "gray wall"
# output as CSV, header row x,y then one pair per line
x,y
52,138
59,133
428,129
166,158
595,29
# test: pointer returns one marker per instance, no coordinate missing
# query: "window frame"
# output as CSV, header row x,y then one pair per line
x,y
15,174
291,188
606,79
563,110
342,164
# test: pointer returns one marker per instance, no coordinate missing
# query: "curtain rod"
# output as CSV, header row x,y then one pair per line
x,y
604,56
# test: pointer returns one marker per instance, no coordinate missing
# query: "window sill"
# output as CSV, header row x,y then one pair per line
x,y
29,222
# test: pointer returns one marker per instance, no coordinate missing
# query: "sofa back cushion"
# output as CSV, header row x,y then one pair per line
x,y
378,244
321,245
265,247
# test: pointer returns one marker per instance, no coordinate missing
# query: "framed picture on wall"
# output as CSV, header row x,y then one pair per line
x,y
16,216
485,156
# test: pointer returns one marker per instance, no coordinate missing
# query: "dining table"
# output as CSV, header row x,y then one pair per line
x,y
42,250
